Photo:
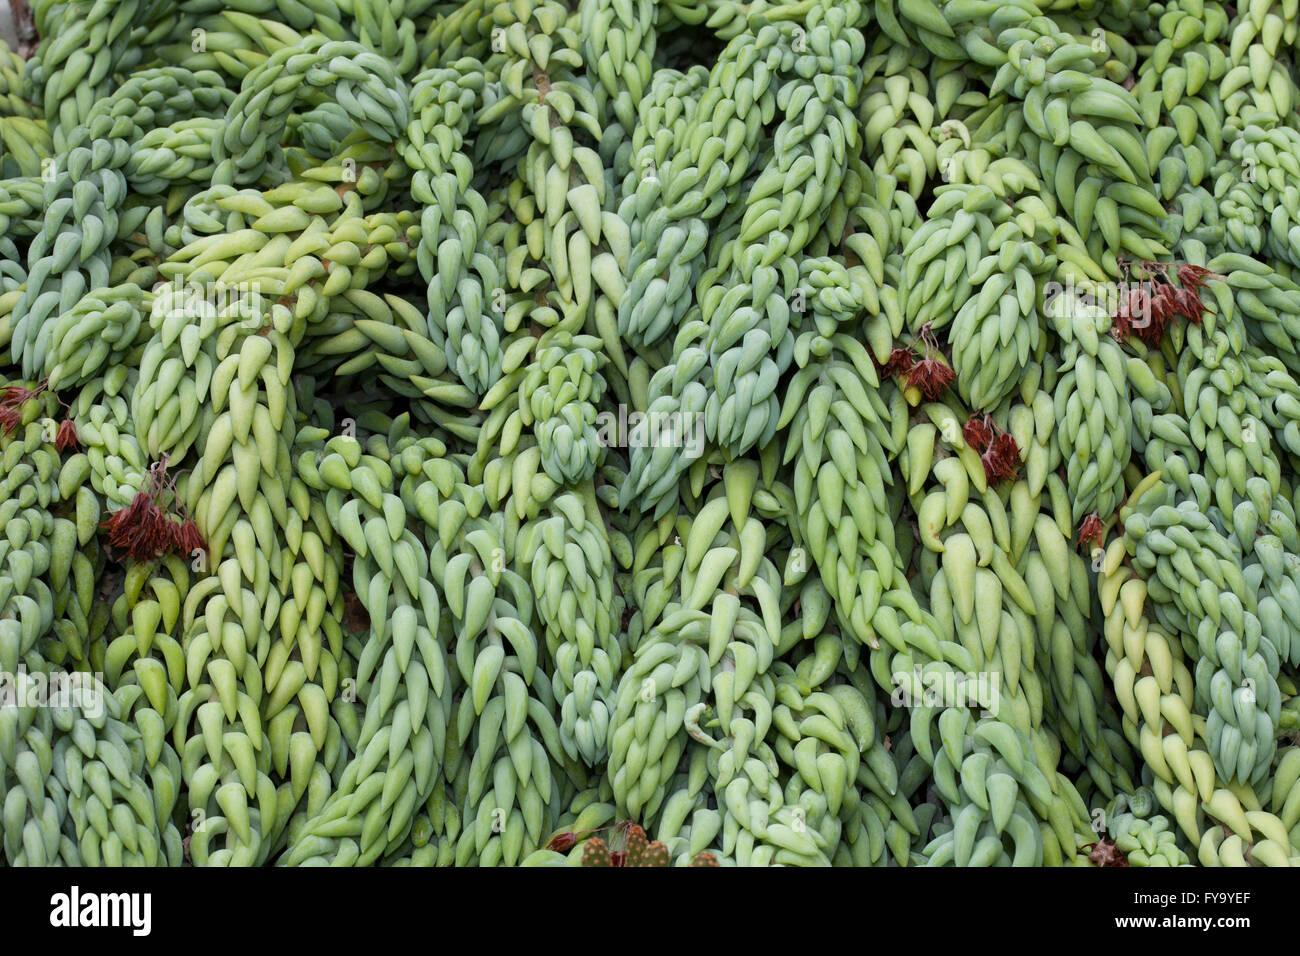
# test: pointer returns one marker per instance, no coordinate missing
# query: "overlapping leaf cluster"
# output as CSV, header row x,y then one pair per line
x,y
607,432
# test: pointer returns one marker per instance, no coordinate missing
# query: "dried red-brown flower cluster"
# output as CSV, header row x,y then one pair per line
x,y
1106,853
563,842
931,376
1091,530
900,362
66,437
921,371
1194,277
1002,459
12,400
15,396
999,452
1147,314
146,528
978,432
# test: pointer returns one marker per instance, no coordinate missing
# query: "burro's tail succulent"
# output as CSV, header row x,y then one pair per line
x,y
619,433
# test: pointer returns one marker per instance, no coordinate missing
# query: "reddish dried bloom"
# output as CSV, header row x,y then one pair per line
x,y
130,513
16,395
1193,277
1155,331
978,432
135,528
995,469
186,537
142,538
1091,530
1137,313
900,362
1002,458
1005,446
1186,302
1121,325
10,420
145,538
162,534
1142,313
1106,853
1148,314
563,842
144,529
930,376
67,436
618,858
